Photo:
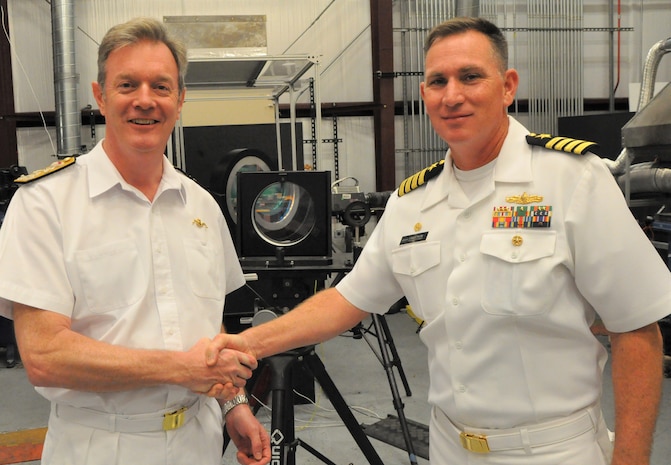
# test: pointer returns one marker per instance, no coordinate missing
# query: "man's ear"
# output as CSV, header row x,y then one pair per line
x,y
511,81
98,95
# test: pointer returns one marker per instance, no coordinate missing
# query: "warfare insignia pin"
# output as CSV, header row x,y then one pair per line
x,y
524,199
199,223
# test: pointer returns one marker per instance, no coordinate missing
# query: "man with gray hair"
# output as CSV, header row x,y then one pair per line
x,y
115,268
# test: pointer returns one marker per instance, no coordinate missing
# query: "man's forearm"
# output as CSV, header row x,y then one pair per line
x,y
637,359
56,356
321,317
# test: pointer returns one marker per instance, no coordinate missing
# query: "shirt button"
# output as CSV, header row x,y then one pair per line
x,y
467,215
462,258
455,301
514,255
462,388
459,345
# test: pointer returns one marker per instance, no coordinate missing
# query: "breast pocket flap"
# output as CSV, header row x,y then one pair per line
x,y
415,259
518,246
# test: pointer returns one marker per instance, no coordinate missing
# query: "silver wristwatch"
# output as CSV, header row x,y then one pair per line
x,y
231,404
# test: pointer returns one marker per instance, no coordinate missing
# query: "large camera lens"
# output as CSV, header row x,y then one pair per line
x,y
283,214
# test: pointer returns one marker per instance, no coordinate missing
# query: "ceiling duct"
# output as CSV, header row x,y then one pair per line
x,y
68,115
648,129
651,125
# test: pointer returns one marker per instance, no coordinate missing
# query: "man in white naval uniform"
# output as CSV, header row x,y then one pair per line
x,y
508,251
115,269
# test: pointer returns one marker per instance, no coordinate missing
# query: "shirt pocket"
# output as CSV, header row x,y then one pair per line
x,y
414,266
204,269
111,276
519,266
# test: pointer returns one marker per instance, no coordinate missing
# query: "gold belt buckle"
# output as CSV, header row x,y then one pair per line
x,y
174,420
474,442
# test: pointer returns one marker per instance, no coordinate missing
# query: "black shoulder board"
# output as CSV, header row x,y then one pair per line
x,y
55,166
417,179
562,144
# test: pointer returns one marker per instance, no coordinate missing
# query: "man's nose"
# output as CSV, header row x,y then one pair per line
x,y
144,97
453,93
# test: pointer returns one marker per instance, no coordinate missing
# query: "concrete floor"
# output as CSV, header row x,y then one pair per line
x,y
360,379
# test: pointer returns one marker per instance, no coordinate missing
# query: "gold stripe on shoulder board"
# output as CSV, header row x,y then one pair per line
x,y
562,144
413,182
37,174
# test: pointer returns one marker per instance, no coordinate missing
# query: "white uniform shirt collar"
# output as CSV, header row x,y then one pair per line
x,y
513,165
103,175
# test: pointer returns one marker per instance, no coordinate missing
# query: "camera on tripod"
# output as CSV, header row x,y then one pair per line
x,y
354,208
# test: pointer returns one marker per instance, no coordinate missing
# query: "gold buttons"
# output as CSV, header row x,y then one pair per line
x,y
418,226
517,240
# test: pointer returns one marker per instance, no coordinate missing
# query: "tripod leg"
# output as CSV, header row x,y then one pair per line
x,y
282,435
378,321
395,359
319,371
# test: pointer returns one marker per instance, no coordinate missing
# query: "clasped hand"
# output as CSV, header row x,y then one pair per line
x,y
223,371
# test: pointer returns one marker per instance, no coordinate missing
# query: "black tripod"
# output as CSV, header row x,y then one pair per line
x,y
283,441
388,355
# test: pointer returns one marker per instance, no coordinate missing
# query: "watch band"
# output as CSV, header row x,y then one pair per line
x,y
231,404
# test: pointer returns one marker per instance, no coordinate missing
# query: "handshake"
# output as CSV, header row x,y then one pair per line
x,y
220,367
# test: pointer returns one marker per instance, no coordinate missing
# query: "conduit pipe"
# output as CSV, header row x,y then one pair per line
x,y
647,177
68,115
655,54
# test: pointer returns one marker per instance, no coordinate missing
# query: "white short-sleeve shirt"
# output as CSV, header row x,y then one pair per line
x,y
154,275
508,307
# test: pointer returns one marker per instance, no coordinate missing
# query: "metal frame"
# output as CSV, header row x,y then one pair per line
x,y
241,78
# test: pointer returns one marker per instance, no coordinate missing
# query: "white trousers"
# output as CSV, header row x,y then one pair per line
x,y
199,441
593,447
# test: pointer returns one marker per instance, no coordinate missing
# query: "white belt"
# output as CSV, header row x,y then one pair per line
x,y
550,432
140,423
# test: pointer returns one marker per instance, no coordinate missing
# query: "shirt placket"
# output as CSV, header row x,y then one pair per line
x,y
166,301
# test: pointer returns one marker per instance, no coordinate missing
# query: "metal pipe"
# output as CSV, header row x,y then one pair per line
x,y
611,57
68,115
655,54
646,177
657,51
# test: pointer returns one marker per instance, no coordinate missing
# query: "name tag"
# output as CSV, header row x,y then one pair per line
x,y
419,237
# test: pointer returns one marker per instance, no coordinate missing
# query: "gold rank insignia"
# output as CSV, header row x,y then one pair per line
x,y
562,144
413,182
524,199
37,174
199,223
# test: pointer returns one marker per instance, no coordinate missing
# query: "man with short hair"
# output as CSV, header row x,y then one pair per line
x,y
115,269
508,251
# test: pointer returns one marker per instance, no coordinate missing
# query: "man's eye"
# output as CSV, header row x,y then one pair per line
x,y
437,82
163,89
471,77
